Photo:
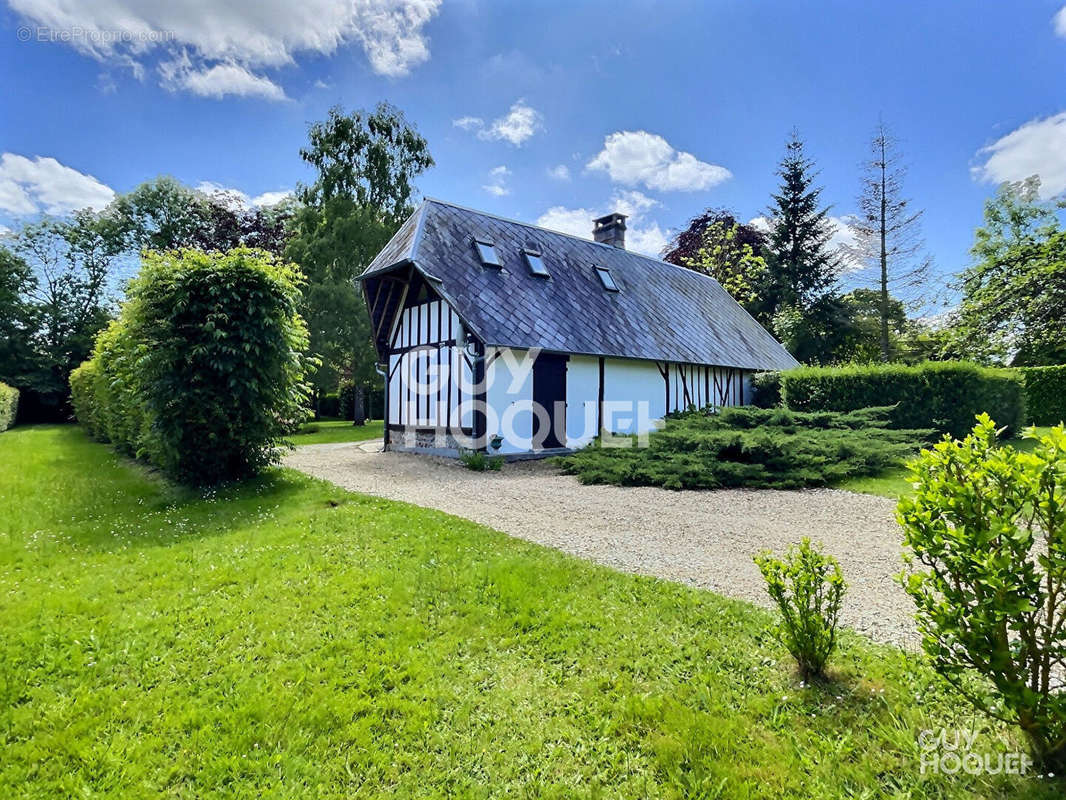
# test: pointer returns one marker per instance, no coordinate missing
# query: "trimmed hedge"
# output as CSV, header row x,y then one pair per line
x,y
1045,394
945,396
9,403
203,372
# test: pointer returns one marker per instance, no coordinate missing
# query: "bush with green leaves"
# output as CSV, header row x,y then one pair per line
x,y
945,396
986,532
808,588
203,372
750,447
766,389
9,404
1045,394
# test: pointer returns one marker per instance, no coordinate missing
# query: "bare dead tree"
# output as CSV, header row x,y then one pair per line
x,y
888,232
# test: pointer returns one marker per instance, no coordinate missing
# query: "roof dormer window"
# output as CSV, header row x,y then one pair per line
x,y
607,279
486,251
536,263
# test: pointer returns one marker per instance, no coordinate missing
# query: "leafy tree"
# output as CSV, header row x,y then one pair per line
x,y
866,315
730,252
64,268
332,243
1011,309
823,333
164,214
16,319
160,214
888,232
987,529
371,159
366,164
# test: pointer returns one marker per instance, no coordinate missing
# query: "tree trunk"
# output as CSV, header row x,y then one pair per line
x,y
884,253
315,397
358,405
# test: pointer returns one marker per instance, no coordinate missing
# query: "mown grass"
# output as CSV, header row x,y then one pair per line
x,y
330,431
894,483
285,638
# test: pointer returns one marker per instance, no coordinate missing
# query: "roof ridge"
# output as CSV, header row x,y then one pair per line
x,y
712,279
511,220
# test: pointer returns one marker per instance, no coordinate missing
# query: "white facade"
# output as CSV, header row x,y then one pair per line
x,y
447,392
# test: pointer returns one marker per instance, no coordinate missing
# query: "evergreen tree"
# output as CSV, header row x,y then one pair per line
x,y
802,269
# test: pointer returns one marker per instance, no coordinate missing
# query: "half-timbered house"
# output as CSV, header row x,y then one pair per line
x,y
499,335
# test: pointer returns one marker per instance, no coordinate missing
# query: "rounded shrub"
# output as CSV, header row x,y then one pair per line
x,y
203,372
9,403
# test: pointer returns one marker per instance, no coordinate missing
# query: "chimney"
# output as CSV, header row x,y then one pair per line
x,y
610,230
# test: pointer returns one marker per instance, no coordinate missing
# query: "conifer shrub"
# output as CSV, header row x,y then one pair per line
x,y
9,403
1045,394
751,447
944,396
203,372
807,587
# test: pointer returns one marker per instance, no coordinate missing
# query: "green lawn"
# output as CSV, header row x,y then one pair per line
x,y
328,431
288,639
893,483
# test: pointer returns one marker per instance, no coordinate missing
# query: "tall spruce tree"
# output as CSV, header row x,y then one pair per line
x,y
802,268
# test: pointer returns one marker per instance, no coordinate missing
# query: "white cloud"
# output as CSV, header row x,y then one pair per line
x,y
641,236
468,123
639,157
516,126
1060,22
267,199
497,185
559,173
28,186
1036,148
239,200
574,221
238,34
218,81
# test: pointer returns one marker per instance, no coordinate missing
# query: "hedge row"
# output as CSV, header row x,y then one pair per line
x,y
9,403
945,396
1045,394
202,374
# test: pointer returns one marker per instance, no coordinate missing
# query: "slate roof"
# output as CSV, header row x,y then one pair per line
x,y
662,312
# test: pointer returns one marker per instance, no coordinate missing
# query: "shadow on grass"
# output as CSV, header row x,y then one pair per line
x,y
88,496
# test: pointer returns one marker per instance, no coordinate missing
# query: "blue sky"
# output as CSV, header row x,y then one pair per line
x,y
543,111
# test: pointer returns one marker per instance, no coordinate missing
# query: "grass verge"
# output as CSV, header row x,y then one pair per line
x,y
330,431
286,638
893,483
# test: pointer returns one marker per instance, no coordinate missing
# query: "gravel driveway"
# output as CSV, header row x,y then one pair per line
x,y
704,539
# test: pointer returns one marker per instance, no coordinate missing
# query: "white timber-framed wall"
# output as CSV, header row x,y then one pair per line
x,y
435,366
